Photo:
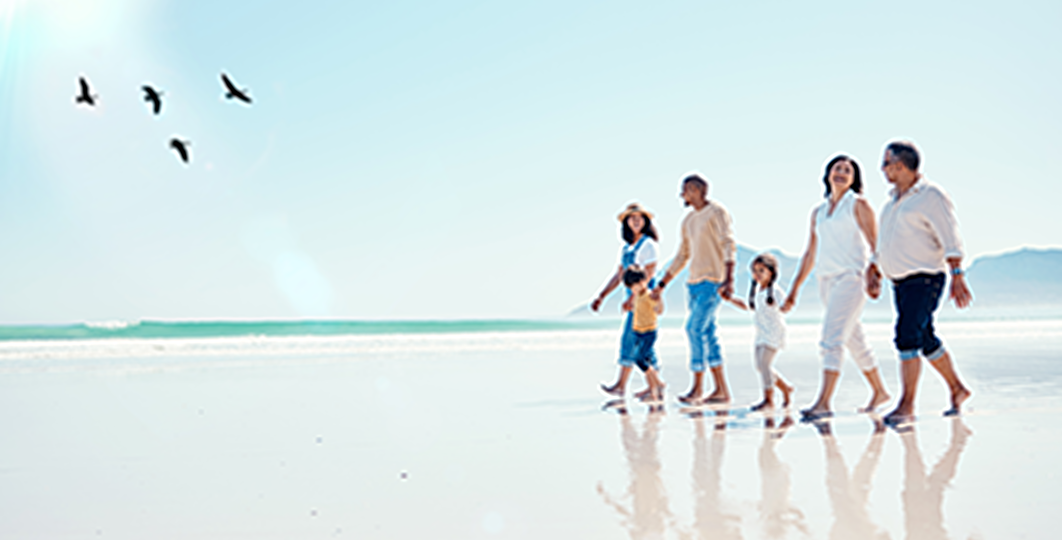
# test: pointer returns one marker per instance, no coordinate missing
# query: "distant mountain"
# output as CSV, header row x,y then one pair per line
x,y
1026,277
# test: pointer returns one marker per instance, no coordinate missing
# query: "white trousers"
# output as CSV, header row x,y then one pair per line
x,y
764,358
843,296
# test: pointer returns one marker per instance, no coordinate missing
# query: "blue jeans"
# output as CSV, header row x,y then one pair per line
x,y
917,297
700,326
626,356
643,353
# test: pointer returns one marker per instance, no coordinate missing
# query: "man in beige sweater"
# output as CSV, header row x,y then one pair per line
x,y
709,247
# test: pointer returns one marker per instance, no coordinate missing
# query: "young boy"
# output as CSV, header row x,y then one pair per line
x,y
644,325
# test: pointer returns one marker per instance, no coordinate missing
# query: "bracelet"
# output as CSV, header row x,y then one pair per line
x,y
957,271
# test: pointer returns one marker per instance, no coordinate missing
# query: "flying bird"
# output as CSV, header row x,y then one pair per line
x,y
181,147
86,96
154,96
232,92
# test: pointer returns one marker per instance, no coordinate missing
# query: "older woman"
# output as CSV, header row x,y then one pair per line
x,y
639,249
842,228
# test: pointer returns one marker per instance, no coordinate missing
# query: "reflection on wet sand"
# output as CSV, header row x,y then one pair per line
x,y
648,515
777,512
849,494
709,518
923,496
645,512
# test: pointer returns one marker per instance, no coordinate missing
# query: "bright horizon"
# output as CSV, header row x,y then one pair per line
x,y
466,160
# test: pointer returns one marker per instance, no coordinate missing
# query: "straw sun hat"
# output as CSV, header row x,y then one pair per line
x,y
634,208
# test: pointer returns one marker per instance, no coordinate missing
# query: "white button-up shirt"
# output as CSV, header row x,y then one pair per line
x,y
918,232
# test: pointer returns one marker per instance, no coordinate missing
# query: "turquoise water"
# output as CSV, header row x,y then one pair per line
x,y
208,329
155,329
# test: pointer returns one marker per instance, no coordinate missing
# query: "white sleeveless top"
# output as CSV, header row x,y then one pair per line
x,y
842,247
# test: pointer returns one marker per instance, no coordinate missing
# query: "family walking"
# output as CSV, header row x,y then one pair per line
x,y
915,245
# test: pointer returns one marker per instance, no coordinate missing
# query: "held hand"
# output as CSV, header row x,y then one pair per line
x,y
790,301
873,279
655,294
628,304
726,289
960,293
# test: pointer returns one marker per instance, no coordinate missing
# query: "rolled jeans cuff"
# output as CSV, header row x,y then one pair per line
x,y
935,355
910,354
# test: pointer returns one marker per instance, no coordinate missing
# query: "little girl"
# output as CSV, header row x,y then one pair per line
x,y
765,297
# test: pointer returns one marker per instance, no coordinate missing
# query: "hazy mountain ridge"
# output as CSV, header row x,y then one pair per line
x,y
1025,277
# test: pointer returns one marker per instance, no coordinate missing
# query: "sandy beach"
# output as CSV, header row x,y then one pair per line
x,y
505,435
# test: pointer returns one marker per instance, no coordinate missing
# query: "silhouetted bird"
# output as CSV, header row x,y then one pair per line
x,y
232,91
155,97
86,96
181,148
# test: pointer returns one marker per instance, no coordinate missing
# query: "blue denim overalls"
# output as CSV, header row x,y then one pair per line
x,y
627,344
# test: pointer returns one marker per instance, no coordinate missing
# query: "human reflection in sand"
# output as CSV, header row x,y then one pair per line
x,y
848,494
648,515
923,496
709,517
777,513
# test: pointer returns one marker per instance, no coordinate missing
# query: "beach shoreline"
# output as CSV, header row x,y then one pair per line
x,y
477,436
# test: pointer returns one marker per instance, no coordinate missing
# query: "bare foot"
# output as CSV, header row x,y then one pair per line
x,y
692,396
958,397
717,397
899,416
876,400
614,390
787,392
652,394
714,398
762,405
642,394
815,412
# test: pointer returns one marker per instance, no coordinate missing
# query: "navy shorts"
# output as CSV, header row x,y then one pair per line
x,y
917,297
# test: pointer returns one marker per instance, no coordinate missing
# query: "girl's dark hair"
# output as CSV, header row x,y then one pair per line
x,y
648,230
857,177
771,263
633,274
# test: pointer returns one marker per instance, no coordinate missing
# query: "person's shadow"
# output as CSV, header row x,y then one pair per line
x,y
709,517
648,515
923,495
777,513
849,493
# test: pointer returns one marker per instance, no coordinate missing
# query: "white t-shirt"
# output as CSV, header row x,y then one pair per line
x,y
770,326
645,255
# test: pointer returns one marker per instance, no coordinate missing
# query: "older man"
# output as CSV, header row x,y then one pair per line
x,y
709,247
918,245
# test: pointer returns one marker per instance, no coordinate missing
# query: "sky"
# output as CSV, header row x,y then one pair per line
x,y
467,160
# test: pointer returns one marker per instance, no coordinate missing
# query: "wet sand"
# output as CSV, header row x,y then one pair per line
x,y
506,436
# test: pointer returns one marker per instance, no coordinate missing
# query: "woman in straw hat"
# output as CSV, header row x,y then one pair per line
x,y
640,238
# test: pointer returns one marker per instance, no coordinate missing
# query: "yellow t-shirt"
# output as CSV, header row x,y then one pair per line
x,y
644,313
